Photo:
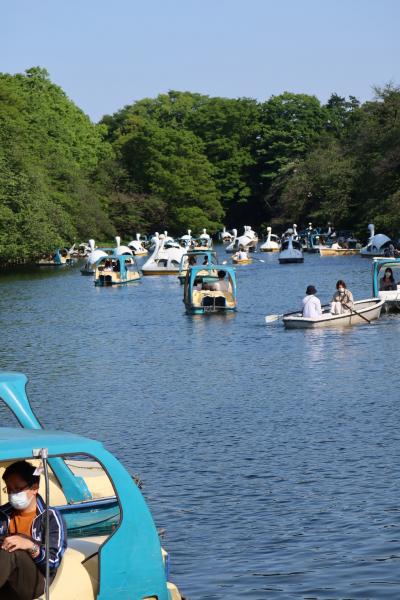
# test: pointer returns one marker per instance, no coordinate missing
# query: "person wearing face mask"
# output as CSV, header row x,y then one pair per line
x,y
22,536
342,300
387,282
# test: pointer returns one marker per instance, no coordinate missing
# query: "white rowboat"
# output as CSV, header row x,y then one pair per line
x,y
370,309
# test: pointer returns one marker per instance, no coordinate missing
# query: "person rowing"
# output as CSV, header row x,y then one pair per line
x,y
342,300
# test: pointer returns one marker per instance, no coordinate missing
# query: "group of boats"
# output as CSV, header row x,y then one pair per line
x,y
210,285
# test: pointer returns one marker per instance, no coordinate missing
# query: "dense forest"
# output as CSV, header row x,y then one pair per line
x,y
186,160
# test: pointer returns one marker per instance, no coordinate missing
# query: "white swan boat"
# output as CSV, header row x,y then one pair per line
x,y
272,243
370,309
378,244
121,250
248,241
186,239
89,266
225,236
163,261
291,251
137,246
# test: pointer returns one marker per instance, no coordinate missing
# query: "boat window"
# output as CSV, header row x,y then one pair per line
x,y
96,516
162,262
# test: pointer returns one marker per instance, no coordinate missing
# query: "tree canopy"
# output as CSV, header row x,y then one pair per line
x,y
185,160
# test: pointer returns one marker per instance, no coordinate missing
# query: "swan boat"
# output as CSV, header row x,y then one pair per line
x,y
378,244
89,266
200,298
391,297
116,270
137,246
248,241
225,236
370,309
163,261
203,242
291,251
125,560
60,258
272,243
186,239
198,257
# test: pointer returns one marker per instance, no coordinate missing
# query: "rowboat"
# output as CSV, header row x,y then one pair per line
x,y
241,261
370,309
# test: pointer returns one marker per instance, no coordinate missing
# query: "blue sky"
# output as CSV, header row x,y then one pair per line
x,y
106,54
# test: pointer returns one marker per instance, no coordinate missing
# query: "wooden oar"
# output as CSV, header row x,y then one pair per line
x,y
357,313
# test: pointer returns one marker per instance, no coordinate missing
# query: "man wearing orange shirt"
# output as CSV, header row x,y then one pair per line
x,y
22,535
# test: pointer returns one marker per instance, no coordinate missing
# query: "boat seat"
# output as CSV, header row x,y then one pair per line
x,y
78,575
199,295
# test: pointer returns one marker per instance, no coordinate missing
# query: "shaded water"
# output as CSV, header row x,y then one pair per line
x,y
271,456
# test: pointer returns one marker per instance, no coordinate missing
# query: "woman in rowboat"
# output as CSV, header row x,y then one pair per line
x,y
342,300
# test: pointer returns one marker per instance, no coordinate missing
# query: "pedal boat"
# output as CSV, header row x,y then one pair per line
x,y
378,244
391,297
137,246
124,561
199,255
370,309
60,258
291,251
163,261
116,270
272,243
203,301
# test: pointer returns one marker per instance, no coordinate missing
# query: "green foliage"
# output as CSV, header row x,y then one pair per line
x,y
188,161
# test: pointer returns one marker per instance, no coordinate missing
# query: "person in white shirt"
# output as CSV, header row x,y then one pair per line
x,y
242,254
311,304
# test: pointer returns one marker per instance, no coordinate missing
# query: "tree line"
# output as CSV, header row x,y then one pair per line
x,y
186,160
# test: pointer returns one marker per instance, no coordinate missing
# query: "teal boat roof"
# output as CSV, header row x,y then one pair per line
x,y
19,443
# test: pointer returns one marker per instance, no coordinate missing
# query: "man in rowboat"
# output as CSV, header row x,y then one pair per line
x,y
311,304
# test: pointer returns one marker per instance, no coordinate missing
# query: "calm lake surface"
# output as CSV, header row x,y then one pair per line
x,y
271,457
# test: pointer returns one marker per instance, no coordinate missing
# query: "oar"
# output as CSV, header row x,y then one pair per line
x,y
357,313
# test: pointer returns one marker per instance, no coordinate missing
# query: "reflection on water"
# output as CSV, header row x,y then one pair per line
x,y
271,456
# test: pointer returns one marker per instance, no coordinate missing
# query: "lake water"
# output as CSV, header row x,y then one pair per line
x,y
271,457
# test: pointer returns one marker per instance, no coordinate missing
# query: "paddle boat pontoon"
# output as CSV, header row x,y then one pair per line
x,y
195,258
368,310
137,246
272,243
115,270
163,261
60,258
291,251
200,297
390,296
123,561
378,244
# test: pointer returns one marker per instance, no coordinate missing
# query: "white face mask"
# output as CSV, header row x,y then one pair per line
x,y
19,501
341,290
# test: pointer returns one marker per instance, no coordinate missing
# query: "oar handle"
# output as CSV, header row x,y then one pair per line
x,y
357,313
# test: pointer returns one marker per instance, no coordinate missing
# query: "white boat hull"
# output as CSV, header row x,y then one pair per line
x,y
370,309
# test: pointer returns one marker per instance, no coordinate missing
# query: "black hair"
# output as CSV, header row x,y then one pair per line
x,y
391,274
24,469
221,274
310,290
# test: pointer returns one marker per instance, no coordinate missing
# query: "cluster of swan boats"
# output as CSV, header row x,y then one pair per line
x,y
210,286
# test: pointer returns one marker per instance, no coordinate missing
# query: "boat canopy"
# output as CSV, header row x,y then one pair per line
x,y
379,266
